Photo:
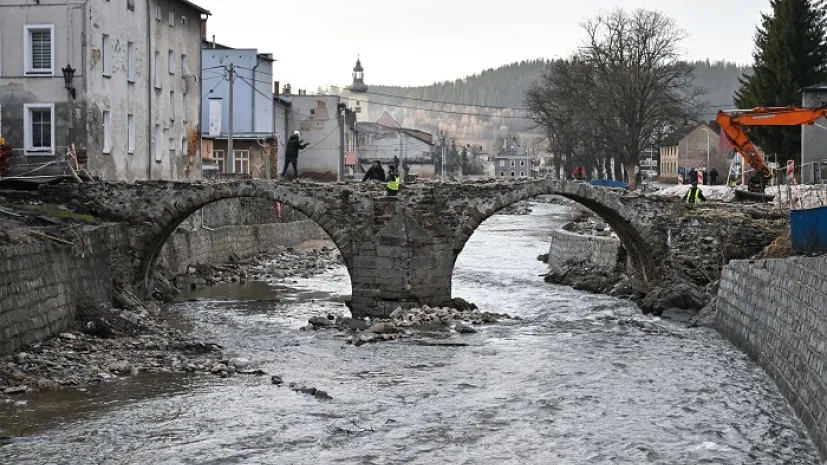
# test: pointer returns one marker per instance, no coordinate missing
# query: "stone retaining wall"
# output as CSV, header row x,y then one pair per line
x,y
776,311
41,283
597,251
186,247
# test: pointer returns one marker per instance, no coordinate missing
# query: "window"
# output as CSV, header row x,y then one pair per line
x,y
106,52
512,164
502,162
184,109
171,18
522,162
241,161
502,173
130,133
39,45
172,145
184,146
522,173
512,174
39,127
184,21
357,110
312,111
172,105
158,15
130,62
185,70
159,143
218,156
157,70
171,60
107,131
130,5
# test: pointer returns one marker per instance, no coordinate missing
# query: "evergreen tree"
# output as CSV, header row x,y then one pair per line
x,y
790,53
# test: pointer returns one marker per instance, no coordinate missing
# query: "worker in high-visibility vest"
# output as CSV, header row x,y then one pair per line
x,y
392,181
694,195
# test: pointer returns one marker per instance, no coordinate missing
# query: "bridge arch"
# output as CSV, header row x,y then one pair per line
x,y
619,209
194,197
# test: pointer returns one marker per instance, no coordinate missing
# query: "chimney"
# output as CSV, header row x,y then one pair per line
x,y
276,87
204,29
213,41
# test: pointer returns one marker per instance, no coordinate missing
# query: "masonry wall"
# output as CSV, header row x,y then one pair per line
x,y
41,283
187,247
776,311
594,250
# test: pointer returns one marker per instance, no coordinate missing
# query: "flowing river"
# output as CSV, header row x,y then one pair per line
x,y
581,379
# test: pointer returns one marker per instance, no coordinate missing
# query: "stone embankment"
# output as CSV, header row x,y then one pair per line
x,y
776,312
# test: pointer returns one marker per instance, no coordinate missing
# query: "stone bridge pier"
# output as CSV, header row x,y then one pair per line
x,y
399,251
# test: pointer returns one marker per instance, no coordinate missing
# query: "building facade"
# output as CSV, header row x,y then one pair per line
x,y
700,146
387,142
316,118
814,138
131,112
255,142
513,161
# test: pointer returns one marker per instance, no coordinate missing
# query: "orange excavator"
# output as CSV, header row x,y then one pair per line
x,y
734,125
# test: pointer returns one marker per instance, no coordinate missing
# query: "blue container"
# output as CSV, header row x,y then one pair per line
x,y
809,229
609,183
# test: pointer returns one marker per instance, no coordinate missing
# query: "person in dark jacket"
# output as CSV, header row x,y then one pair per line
x,y
713,176
693,176
291,154
375,173
392,181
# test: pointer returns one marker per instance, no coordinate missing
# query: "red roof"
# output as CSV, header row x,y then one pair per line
x,y
387,120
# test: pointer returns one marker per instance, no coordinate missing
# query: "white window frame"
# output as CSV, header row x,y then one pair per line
x,y
171,18
106,55
27,129
158,13
172,145
512,174
107,132
157,70
184,146
159,143
184,21
522,174
522,162
130,133
130,62
171,61
184,67
242,157
184,110
220,161
513,163
172,105
27,49
502,163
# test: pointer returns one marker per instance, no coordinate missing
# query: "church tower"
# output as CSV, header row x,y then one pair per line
x,y
357,97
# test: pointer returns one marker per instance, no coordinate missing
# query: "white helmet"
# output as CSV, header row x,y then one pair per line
x,y
296,133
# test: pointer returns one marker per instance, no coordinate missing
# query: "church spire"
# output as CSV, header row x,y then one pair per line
x,y
358,77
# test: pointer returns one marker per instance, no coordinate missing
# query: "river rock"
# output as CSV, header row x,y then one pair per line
x,y
18,375
121,367
15,390
275,379
354,324
320,322
395,314
239,363
218,368
20,358
67,336
464,329
382,328
45,384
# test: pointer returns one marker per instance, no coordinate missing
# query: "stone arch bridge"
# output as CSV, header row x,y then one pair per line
x,y
398,250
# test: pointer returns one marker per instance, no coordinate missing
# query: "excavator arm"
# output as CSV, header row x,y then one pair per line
x,y
734,125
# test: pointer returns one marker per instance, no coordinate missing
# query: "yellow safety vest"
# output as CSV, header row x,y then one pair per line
x,y
689,196
393,184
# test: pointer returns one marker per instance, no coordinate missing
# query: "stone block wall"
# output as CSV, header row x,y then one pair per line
x,y
186,247
595,250
776,312
41,283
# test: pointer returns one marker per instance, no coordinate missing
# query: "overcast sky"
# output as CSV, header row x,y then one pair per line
x,y
419,42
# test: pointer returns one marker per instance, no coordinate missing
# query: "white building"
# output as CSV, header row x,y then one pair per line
x,y
137,98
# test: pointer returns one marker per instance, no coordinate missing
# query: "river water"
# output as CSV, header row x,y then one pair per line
x,y
581,379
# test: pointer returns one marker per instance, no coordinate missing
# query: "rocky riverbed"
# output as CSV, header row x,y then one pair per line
x,y
106,344
461,318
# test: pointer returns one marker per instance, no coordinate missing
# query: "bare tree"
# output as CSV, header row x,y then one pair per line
x,y
624,84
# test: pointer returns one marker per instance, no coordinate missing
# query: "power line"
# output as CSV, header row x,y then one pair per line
x,y
270,97
213,89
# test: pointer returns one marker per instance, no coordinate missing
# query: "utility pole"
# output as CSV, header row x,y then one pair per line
x,y
341,111
442,171
230,152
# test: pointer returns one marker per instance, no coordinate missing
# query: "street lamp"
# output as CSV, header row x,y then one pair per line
x,y
707,147
68,76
